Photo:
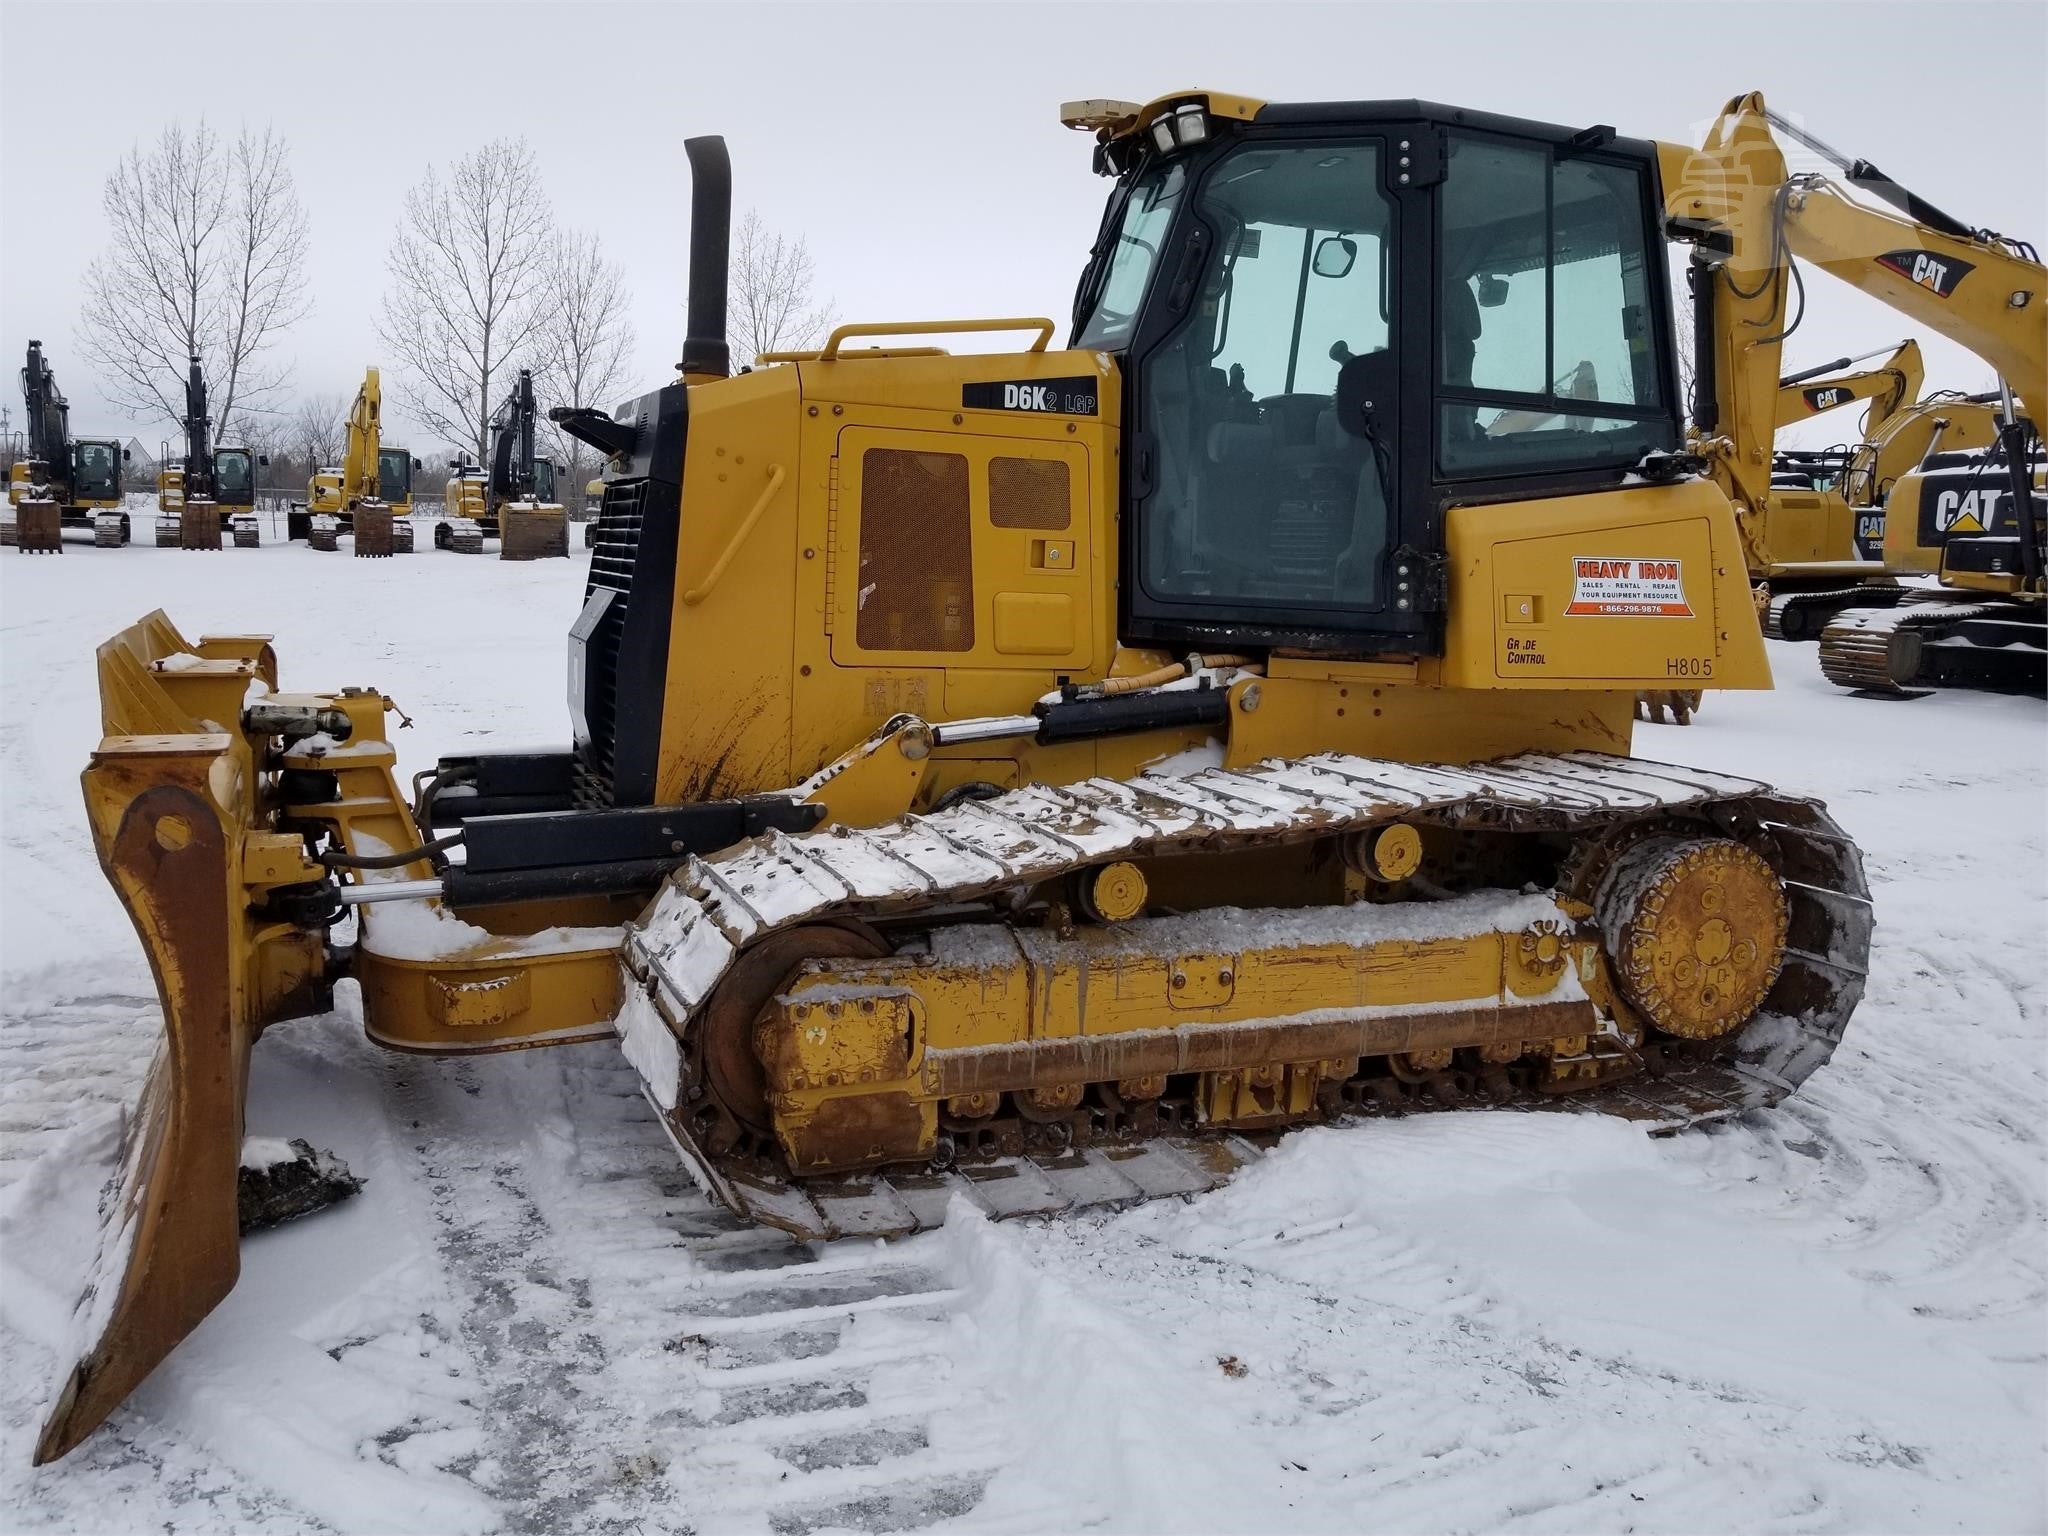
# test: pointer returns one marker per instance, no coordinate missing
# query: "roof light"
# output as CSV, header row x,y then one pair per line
x,y
1162,134
1191,123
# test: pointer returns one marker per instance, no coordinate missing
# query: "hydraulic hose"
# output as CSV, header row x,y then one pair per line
x,y
1173,672
429,850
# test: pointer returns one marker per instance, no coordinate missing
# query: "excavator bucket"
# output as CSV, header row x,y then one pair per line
x,y
174,821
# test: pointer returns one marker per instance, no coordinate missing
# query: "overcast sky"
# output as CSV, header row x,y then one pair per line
x,y
917,147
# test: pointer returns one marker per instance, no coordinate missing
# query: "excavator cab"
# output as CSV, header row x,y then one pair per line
x,y
234,477
394,478
96,472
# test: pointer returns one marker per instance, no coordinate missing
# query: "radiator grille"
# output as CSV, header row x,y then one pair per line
x,y
916,582
1028,493
613,552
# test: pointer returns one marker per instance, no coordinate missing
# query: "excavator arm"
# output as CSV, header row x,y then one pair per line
x,y
1891,386
49,417
359,458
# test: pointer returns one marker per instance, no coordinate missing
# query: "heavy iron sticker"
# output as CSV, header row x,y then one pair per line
x,y
1635,589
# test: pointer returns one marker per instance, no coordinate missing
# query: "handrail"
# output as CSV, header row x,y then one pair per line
x,y
1037,323
866,354
698,593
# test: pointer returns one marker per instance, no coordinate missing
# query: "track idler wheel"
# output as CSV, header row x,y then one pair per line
x,y
1695,930
732,1068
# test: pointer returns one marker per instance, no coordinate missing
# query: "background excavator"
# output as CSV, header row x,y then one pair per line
x,y
1982,627
1977,517
209,490
1809,509
59,481
1814,392
514,501
1890,387
369,494
1032,777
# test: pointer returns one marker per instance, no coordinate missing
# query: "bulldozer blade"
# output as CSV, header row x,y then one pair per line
x,y
170,1223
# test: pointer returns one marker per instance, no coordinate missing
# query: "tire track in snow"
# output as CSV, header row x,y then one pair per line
x,y
640,1354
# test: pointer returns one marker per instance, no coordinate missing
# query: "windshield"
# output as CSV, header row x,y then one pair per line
x,y
543,480
231,475
98,470
1146,214
394,474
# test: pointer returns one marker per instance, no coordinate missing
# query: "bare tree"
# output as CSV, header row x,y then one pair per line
x,y
584,345
207,257
468,271
772,304
318,427
269,435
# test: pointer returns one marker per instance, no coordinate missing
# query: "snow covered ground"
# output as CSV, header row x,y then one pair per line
x,y
1829,1317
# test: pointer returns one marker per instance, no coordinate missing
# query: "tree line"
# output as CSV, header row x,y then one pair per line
x,y
206,255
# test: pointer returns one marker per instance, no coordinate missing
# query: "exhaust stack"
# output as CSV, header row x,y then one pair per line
x,y
705,354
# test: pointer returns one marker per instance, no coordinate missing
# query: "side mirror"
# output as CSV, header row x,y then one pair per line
x,y
127,457
1493,292
416,466
263,459
1334,256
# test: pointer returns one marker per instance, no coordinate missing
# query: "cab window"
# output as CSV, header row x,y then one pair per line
x,y
394,474
231,474
1547,352
97,469
1264,496
1140,229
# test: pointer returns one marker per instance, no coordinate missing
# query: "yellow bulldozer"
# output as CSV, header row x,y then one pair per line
x,y
369,494
1037,777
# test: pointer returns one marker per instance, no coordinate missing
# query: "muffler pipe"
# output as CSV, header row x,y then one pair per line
x,y
705,353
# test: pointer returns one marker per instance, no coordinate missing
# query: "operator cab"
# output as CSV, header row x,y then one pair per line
x,y
394,475
234,477
1335,322
95,471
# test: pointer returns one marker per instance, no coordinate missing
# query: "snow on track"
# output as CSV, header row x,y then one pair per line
x,y
1828,1316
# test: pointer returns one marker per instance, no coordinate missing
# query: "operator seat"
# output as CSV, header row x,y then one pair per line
x,y
1362,409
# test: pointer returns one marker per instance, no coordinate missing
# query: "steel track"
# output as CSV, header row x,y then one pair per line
x,y
714,907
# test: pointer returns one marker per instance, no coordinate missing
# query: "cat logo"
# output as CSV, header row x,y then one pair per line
x,y
1966,511
1818,400
1937,274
